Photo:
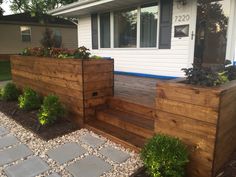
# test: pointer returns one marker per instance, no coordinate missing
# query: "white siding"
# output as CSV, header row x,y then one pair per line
x,y
164,62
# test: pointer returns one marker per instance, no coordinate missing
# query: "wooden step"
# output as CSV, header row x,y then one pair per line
x,y
132,107
116,134
130,122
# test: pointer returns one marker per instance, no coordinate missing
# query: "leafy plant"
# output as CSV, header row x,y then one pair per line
x,y
198,75
10,92
82,53
29,100
165,156
51,110
230,70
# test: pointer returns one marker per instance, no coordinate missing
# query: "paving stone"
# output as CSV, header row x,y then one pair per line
x,y
92,141
114,154
8,140
14,153
27,168
91,166
66,152
3,131
54,175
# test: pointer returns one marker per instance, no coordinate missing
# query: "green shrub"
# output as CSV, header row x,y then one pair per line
x,y
10,92
165,156
198,75
1,92
29,100
51,110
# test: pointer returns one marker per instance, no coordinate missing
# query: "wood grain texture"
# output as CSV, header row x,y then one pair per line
x,y
203,118
81,85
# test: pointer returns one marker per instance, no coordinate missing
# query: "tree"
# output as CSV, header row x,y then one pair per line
x,y
51,39
37,7
1,10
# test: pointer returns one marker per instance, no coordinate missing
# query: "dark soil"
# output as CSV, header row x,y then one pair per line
x,y
28,119
140,173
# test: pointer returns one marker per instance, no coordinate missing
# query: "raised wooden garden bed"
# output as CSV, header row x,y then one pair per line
x,y
81,85
204,118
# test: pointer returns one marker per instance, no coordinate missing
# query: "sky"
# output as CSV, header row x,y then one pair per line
x,y
6,8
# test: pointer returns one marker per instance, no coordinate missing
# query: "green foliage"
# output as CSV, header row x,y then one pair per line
x,y
198,75
1,93
10,92
49,39
230,70
37,7
80,53
29,100
165,156
51,110
1,10
96,57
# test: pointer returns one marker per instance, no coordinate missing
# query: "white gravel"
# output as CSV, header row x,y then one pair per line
x,y
40,147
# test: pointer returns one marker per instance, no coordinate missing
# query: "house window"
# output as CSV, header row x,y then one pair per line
x,y
25,33
145,26
105,36
148,25
125,28
57,38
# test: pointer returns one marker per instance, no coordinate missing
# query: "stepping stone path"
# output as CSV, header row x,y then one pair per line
x,y
92,141
114,154
30,167
18,160
91,166
66,152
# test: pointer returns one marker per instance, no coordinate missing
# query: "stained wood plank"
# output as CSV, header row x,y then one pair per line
x,y
130,122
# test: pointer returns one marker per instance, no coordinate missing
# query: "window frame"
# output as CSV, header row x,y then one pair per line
x,y
30,33
138,29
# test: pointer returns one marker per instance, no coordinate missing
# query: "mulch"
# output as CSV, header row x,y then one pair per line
x,y
28,119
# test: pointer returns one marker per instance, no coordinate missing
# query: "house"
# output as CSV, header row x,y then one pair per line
x,y
156,38
19,31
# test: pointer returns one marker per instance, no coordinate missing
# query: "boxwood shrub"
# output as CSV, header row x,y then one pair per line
x,y
165,156
10,92
29,100
50,110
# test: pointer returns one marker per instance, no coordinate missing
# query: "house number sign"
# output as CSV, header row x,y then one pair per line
x,y
182,18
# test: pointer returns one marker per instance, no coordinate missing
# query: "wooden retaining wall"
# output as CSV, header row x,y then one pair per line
x,y
203,118
80,84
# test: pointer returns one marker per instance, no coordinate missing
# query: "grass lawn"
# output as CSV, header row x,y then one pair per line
x,y
5,70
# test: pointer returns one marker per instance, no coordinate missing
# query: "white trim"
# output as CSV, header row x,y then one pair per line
x,y
112,29
138,27
158,22
99,40
231,37
192,31
77,6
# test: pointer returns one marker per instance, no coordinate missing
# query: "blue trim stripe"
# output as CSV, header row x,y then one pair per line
x,y
145,75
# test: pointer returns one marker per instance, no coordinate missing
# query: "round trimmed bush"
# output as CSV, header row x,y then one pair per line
x,y
10,92
165,156
29,100
50,110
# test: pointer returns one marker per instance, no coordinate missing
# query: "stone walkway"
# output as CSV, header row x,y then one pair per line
x,y
90,156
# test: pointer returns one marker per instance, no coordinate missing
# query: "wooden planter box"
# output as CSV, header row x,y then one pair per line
x,y
203,118
81,85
